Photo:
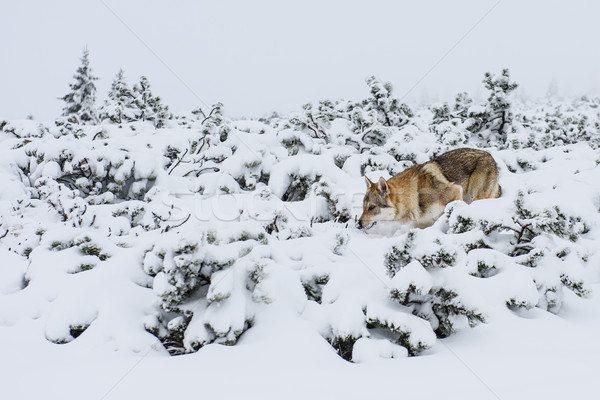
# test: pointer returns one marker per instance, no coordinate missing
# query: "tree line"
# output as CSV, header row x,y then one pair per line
x,y
124,103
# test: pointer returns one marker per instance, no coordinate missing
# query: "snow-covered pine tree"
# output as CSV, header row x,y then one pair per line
x,y
149,107
498,105
375,117
459,110
452,123
390,111
119,107
215,124
80,100
462,102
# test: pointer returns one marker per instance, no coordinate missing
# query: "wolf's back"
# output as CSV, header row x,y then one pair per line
x,y
458,165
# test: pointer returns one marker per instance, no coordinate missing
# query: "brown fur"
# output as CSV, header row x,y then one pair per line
x,y
419,194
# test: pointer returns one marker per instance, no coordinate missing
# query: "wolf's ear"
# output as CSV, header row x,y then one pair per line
x,y
368,182
383,186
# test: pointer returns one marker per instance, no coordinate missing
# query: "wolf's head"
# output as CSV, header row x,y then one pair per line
x,y
377,205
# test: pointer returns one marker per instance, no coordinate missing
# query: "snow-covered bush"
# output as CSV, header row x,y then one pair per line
x,y
120,106
498,113
336,204
544,240
483,125
148,106
416,266
95,171
389,110
205,287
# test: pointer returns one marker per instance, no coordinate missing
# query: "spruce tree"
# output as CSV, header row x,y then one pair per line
x,y
149,106
80,100
119,107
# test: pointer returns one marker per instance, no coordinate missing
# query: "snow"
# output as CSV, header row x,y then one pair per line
x,y
516,357
120,253
12,272
371,350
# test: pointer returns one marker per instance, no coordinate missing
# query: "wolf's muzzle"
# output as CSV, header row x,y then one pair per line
x,y
359,225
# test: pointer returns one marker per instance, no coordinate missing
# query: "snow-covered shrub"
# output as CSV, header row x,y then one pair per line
x,y
483,125
371,121
215,123
499,115
452,134
205,153
313,286
390,112
561,124
445,113
430,252
543,239
336,206
311,122
405,329
203,280
527,225
377,159
362,120
297,142
415,266
120,106
299,187
147,106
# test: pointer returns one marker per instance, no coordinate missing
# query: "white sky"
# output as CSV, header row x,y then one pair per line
x,y
258,56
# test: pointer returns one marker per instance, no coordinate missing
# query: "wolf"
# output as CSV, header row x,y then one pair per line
x,y
419,195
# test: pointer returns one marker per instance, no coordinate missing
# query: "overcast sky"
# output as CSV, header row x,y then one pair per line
x,y
260,56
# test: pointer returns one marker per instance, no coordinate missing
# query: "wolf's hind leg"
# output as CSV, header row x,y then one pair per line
x,y
456,191
482,184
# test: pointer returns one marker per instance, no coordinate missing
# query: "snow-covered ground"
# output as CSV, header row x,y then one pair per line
x,y
219,258
531,355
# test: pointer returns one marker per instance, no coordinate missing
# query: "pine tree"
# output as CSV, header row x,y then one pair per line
x,y
390,111
498,104
80,100
119,107
149,107
445,112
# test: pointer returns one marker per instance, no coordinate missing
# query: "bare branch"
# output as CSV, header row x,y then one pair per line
x,y
169,227
178,162
209,115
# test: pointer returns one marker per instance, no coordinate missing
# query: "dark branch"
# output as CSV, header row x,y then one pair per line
x,y
178,161
169,227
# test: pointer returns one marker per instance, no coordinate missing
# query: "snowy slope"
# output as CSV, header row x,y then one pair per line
x,y
220,258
